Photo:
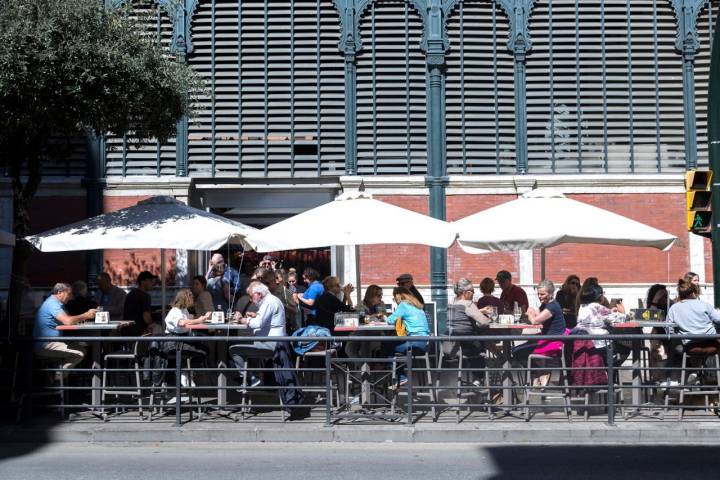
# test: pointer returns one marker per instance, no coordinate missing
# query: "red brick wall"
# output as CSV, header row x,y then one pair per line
x,y
612,264
124,265
708,261
46,269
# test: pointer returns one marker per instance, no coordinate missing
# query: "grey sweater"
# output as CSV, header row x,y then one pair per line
x,y
694,317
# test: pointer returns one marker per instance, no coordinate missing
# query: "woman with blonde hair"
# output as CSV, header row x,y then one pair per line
x,y
176,321
409,311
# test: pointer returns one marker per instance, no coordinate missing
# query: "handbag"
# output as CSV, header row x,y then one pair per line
x,y
400,329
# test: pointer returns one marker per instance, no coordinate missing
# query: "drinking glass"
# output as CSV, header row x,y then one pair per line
x,y
493,314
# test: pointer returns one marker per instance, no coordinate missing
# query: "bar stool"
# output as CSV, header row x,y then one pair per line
x,y
335,386
562,393
424,380
133,359
245,390
462,381
693,390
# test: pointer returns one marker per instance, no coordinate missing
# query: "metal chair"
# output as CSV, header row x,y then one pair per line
x,y
335,386
133,358
425,380
463,383
542,392
696,390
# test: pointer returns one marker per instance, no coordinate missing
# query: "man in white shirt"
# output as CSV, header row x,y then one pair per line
x,y
269,321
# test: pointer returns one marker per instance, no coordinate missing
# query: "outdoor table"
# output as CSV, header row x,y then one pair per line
x,y
88,328
226,329
636,347
365,389
509,329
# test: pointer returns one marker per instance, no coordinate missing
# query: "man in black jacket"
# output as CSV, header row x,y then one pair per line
x,y
406,280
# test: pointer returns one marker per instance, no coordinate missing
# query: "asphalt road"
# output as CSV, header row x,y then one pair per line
x,y
386,461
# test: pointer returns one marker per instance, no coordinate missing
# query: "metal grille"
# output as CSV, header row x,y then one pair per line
x,y
128,156
604,88
275,79
392,129
480,97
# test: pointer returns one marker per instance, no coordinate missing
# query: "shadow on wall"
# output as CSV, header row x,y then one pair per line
x,y
125,272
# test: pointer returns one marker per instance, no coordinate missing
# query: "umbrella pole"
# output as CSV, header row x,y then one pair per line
x,y
542,263
162,281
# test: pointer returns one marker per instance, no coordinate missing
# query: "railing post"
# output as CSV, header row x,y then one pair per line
x,y
408,364
178,373
328,385
611,383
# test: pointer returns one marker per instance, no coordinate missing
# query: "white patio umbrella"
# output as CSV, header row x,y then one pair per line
x,y
7,239
523,224
354,218
158,222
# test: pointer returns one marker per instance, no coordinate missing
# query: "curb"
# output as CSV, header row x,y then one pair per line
x,y
701,433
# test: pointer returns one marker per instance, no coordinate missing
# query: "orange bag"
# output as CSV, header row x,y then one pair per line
x,y
400,329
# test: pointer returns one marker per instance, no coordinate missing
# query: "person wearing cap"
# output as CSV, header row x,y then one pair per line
x,y
406,280
138,305
511,293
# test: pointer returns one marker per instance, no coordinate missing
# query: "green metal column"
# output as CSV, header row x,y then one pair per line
x,y
687,43
714,147
350,45
518,12
94,183
436,44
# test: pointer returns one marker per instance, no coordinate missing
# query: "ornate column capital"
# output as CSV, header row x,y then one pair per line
x,y
686,14
518,12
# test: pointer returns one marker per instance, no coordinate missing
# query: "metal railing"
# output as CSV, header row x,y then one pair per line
x,y
338,389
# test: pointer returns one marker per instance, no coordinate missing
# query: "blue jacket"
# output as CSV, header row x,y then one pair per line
x,y
415,320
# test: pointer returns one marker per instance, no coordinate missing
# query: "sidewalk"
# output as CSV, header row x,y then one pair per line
x,y
576,433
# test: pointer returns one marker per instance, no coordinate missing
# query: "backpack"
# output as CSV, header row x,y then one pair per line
x,y
301,347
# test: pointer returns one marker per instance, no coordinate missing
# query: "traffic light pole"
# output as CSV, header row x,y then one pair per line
x,y
714,148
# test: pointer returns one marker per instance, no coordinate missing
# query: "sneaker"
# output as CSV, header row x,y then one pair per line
x,y
402,381
668,383
692,379
254,382
477,383
173,400
355,400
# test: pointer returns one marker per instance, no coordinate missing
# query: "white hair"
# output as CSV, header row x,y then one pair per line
x,y
547,285
258,287
463,285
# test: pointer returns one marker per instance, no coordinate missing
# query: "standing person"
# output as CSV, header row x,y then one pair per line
x,y
111,297
511,293
286,296
406,280
48,317
330,303
138,305
567,297
410,312
551,318
202,300
487,287
80,302
269,321
308,298
216,287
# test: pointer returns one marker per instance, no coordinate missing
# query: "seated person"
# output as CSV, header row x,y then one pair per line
x,y
694,317
80,302
176,321
329,303
269,321
374,307
48,317
465,318
202,300
409,311
487,286
551,318
110,297
372,303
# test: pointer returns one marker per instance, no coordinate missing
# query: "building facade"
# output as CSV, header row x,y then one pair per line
x,y
446,107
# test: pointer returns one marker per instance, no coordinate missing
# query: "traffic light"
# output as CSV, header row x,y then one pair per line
x,y
698,197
